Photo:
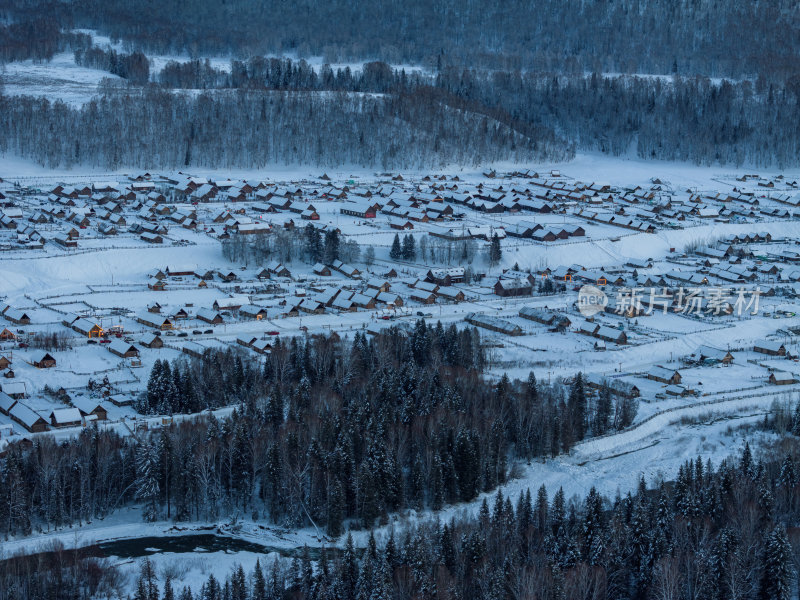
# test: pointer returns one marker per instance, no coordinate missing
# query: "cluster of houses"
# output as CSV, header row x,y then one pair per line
x,y
82,413
148,205
617,220
540,233
554,321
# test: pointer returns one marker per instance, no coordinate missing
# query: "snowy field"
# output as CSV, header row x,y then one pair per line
x,y
58,79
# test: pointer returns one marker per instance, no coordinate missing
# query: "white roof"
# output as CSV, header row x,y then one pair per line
x,y
782,376
207,313
6,401
14,387
87,405
66,415
24,414
236,300
120,346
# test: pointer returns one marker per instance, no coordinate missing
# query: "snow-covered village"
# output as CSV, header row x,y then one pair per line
x,y
399,301
117,292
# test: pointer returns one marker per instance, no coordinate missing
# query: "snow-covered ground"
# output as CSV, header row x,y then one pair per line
x,y
57,79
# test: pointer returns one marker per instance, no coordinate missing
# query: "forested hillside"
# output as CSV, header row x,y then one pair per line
x,y
515,81
153,129
733,39
713,533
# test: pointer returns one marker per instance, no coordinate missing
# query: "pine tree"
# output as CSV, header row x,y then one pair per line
x,y
331,251
766,506
306,573
558,511
141,589
211,589
169,593
532,389
147,486
593,528
495,250
396,252
437,483
348,575
746,462
541,511
467,464
366,575
152,396
641,545
603,411
796,420
239,584
313,243
776,578
259,583
277,583
147,586
626,411
409,250
788,475
577,407
336,509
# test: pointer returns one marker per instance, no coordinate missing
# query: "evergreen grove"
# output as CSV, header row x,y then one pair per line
x,y
327,432
712,534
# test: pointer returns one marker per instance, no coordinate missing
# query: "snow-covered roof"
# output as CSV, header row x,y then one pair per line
x,y
25,415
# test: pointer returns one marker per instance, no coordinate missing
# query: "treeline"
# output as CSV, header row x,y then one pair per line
x,y
306,244
714,534
134,67
687,119
689,37
673,118
154,129
59,574
260,72
284,112
326,432
504,82
38,36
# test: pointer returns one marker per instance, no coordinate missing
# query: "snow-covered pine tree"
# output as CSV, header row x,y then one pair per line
x,y
396,251
259,586
409,249
147,485
495,250
593,528
777,570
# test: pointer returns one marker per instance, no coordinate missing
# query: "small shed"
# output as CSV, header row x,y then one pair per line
x,y
123,349
664,375
781,378
770,348
87,407
209,316
44,360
